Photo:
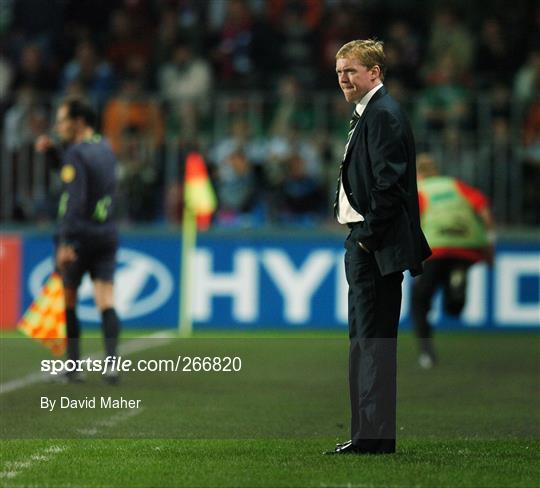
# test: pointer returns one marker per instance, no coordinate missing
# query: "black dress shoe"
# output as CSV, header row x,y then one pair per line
x,y
344,448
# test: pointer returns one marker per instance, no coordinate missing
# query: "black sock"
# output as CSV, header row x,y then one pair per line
x,y
73,331
110,326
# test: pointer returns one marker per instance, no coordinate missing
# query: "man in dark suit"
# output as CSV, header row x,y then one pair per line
x,y
377,199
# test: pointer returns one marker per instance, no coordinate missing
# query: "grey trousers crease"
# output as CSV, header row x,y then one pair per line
x,y
374,307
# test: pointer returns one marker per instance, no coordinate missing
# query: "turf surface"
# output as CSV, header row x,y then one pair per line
x,y
472,421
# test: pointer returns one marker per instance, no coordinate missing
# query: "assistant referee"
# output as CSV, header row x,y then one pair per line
x,y
86,238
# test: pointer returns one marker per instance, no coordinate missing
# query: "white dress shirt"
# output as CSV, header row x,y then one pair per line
x,y
347,214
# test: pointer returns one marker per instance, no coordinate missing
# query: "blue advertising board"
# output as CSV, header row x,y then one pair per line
x,y
146,284
291,283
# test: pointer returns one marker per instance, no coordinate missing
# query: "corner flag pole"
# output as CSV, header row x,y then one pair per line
x,y
199,205
189,242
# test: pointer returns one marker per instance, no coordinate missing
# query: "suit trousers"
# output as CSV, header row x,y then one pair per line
x,y
374,307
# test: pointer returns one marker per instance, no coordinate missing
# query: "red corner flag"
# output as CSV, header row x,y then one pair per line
x,y
45,319
199,195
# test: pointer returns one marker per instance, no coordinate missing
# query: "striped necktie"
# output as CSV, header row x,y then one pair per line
x,y
352,126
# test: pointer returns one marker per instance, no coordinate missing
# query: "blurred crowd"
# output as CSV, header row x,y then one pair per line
x,y
251,84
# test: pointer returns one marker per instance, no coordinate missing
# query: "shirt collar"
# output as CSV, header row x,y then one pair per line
x,y
361,105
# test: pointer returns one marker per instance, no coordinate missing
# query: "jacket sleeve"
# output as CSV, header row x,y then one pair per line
x,y
72,205
387,153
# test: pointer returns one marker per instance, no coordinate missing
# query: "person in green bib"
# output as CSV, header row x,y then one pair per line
x,y
459,227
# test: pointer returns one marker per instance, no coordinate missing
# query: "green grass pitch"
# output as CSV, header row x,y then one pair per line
x,y
474,420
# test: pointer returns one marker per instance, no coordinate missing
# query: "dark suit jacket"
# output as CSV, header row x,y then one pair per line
x,y
379,176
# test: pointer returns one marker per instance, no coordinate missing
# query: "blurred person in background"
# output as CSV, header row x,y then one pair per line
x,y
40,23
125,41
26,118
494,62
33,71
527,80
6,77
266,58
531,168
492,163
290,109
404,64
459,228
526,92
233,44
139,177
86,238
301,199
133,123
240,138
296,24
310,11
281,146
136,67
444,102
166,36
185,83
450,37
132,109
238,194
95,75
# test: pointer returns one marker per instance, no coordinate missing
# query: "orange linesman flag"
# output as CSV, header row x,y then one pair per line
x,y
45,319
199,195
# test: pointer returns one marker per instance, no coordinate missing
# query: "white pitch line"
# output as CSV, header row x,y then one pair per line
x,y
110,422
13,468
23,382
129,347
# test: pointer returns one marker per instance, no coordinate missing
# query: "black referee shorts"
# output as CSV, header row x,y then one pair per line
x,y
97,257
